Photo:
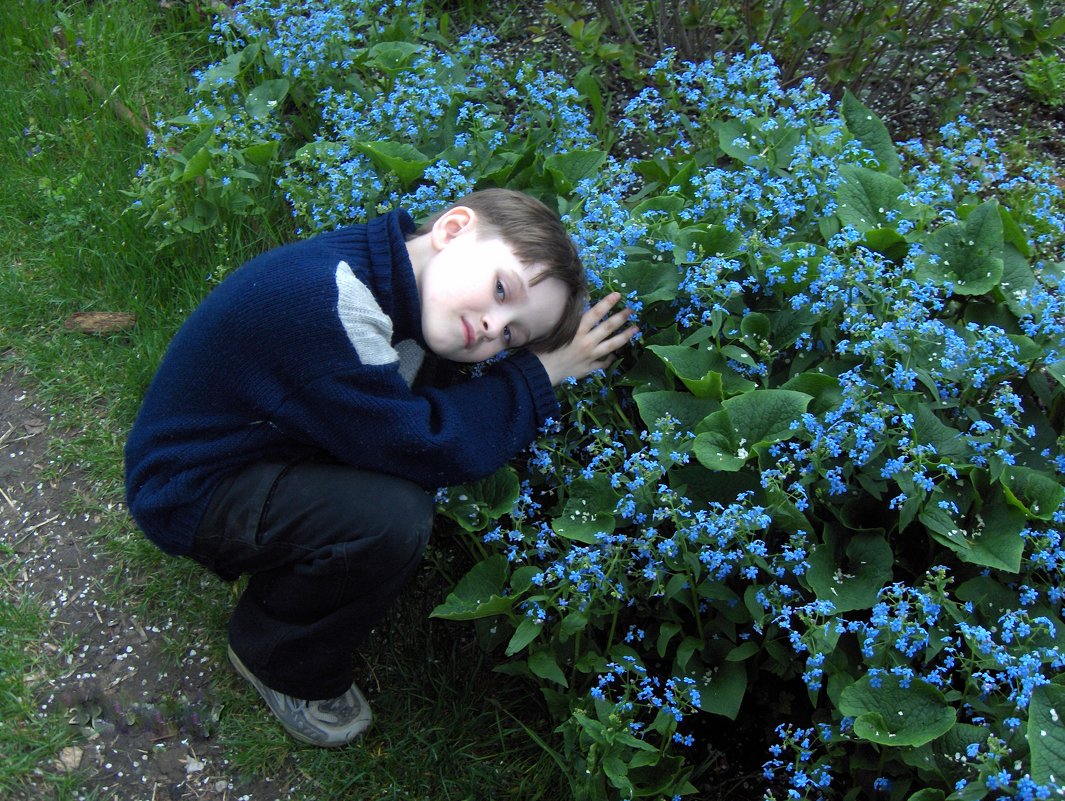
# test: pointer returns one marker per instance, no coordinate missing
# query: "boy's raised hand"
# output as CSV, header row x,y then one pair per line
x,y
594,344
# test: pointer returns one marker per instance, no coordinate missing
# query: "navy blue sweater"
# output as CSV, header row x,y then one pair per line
x,y
312,348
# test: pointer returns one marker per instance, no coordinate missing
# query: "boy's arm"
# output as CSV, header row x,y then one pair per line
x,y
433,436
593,346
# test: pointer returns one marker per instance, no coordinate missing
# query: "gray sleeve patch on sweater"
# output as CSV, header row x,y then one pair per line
x,y
368,328
410,359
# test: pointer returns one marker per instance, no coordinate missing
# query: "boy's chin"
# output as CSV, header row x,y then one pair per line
x,y
452,354
463,358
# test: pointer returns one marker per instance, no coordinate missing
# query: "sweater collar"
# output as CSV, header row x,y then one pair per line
x,y
393,273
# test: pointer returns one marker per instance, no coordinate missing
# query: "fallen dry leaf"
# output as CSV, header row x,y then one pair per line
x,y
100,322
69,759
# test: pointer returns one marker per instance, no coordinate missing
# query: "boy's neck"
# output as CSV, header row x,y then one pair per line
x,y
419,251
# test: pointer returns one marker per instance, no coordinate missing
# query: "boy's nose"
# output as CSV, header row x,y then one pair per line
x,y
490,327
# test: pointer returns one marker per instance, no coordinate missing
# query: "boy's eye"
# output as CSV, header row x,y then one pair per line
x,y
506,334
501,291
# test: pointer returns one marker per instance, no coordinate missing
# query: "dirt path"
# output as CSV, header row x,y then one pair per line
x,y
146,712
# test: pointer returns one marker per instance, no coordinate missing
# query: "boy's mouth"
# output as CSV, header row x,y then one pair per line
x,y
467,333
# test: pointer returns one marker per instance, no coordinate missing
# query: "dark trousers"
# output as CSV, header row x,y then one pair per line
x,y
328,547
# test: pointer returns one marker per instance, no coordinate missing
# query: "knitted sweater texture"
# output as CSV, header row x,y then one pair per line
x,y
311,349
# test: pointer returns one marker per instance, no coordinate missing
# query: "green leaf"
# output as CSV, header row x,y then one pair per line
x,y
527,631
705,240
267,96
581,522
687,409
667,630
1046,733
1033,492
865,197
998,542
823,388
764,416
573,623
405,161
887,241
702,370
928,429
647,279
543,664
473,505
870,131
477,593
970,253
743,651
521,579
570,168
927,794
223,72
670,204
738,354
197,165
735,140
989,595
1013,235
757,324
894,715
719,448
723,693
852,583
261,153
393,56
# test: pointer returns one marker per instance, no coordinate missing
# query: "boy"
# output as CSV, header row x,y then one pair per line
x,y
284,434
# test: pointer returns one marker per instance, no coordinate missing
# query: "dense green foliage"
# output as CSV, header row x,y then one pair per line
x,y
900,56
832,463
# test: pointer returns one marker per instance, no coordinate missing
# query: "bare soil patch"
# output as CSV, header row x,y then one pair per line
x,y
145,710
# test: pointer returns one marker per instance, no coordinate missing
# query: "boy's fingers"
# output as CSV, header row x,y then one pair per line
x,y
596,313
608,345
613,322
621,339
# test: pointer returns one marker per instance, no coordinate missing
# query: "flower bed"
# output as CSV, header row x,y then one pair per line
x,y
833,461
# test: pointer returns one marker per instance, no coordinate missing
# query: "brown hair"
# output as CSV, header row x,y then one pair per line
x,y
538,238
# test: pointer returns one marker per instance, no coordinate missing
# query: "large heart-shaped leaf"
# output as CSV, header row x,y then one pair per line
x,y
477,593
865,197
765,416
893,715
1046,733
1033,492
969,254
855,582
406,161
870,130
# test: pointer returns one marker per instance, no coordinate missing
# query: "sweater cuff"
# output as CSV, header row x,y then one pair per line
x,y
543,394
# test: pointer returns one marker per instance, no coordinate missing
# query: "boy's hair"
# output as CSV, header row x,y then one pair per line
x,y
537,237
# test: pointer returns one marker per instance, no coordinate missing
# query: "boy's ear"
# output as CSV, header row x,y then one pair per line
x,y
451,224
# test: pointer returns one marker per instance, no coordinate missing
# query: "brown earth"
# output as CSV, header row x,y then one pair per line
x,y
145,709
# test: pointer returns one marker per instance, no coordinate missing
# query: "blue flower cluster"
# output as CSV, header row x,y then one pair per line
x,y
642,704
795,759
310,40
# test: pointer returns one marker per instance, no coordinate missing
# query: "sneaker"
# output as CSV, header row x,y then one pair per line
x,y
329,724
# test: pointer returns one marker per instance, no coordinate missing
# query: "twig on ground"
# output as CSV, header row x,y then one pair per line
x,y
27,531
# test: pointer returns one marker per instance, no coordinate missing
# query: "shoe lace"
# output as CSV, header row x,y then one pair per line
x,y
334,710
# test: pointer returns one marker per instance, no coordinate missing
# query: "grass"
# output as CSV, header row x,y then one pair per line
x,y
26,737
67,245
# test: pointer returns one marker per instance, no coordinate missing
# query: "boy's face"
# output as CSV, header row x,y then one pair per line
x,y
477,299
